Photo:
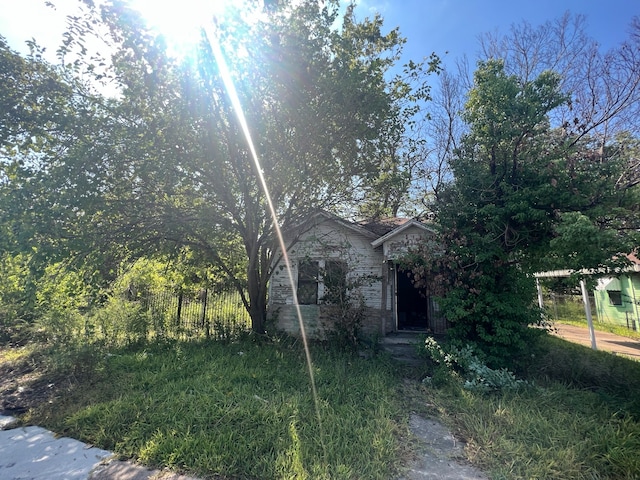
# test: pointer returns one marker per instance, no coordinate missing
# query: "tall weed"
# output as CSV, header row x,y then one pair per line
x,y
119,323
241,410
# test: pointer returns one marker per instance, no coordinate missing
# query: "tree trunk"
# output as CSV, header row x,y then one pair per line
x,y
257,291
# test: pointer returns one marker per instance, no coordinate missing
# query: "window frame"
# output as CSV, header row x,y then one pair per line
x,y
307,290
334,277
312,286
616,299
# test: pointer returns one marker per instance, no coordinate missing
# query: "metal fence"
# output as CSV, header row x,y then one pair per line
x,y
561,307
202,314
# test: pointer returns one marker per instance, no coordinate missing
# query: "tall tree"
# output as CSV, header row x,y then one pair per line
x,y
517,183
165,165
602,87
401,156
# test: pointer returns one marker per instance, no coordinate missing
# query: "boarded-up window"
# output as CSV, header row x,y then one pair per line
x,y
334,278
307,282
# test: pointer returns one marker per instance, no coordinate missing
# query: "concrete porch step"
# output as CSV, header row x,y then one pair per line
x,y
403,347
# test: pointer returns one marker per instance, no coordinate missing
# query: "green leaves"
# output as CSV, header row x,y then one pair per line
x,y
164,165
525,198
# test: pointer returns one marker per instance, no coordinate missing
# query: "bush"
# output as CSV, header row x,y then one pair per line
x,y
62,299
342,324
120,322
463,363
344,307
16,308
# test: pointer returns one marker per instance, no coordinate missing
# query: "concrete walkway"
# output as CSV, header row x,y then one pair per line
x,y
33,453
605,341
441,456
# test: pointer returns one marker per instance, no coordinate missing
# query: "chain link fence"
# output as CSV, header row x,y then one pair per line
x,y
566,307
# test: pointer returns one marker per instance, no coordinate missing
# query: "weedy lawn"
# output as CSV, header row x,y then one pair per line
x,y
240,410
579,417
246,410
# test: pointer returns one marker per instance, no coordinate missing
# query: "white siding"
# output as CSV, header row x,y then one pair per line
x,y
328,240
332,241
399,244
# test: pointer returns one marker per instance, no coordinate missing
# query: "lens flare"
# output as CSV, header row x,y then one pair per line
x,y
178,24
184,25
235,101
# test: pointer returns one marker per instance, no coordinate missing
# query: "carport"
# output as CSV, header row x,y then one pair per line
x,y
585,298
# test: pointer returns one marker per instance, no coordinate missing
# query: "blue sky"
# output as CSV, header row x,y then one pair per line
x,y
454,25
429,25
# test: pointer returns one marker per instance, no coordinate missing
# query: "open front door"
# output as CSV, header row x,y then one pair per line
x,y
412,304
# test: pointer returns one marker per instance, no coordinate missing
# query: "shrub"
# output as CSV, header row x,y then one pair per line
x,y
342,324
120,322
16,311
344,308
464,363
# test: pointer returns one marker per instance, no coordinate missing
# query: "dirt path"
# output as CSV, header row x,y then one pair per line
x,y
605,341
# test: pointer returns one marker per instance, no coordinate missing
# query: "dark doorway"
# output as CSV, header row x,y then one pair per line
x,y
412,303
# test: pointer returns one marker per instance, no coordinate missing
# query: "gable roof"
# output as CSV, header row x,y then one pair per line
x,y
354,227
378,231
382,226
404,226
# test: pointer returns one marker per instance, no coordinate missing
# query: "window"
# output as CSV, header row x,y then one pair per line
x,y
615,297
334,279
322,281
308,282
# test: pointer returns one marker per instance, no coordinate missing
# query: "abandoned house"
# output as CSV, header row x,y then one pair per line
x,y
336,261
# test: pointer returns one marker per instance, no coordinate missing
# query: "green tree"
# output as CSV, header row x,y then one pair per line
x,y
602,88
517,185
164,164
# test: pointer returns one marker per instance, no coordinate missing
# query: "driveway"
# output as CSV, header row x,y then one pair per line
x,y
605,341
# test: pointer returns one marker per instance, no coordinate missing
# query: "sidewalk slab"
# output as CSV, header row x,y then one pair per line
x,y
33,453
442,457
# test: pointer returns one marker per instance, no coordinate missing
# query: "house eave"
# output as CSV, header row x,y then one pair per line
x,y
412,223
326,216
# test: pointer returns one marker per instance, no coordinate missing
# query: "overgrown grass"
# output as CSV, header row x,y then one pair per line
x,y
580,420
17,354
244,410
240,410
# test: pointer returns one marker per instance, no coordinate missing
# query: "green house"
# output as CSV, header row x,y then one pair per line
x,y
617,298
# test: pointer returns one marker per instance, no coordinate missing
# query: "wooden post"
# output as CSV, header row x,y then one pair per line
x,y
587,310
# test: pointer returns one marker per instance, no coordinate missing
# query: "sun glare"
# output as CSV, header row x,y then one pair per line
x,y
182,26
181,22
